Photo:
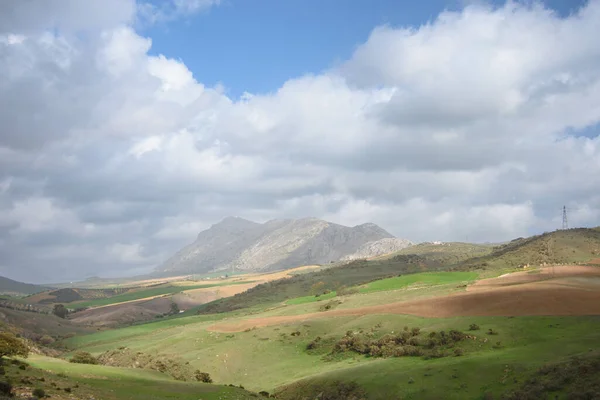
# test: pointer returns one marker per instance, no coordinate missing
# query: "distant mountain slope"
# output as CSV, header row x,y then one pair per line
x,y
378,248
277,244
580,245
8,286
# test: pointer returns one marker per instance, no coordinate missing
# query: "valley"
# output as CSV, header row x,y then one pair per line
x,y
281,333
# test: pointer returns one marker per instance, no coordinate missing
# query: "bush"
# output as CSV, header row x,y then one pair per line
x,y
491,332
46,340
83,357
458,352
6,388
60,311
202,376
264,393
11,346
313,345
39,393
473,327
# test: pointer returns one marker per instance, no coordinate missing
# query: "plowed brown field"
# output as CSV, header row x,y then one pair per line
x,y
565,290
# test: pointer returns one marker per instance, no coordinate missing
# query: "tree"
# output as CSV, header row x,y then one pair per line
x,y
83,357
12,346
60,311
174,308
202,376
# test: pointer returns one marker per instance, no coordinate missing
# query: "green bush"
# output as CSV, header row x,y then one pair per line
x,y
473,327
202,376
39,393
83,357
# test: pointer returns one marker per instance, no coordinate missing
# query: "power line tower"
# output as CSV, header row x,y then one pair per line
x,y
565,223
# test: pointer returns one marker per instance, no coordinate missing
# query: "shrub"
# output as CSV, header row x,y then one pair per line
x,y
46,340
458,352
83,357
2,371
60,311
11,346
491,332
313,345
67,389
202,376
473,327
6,388
39,393
264,393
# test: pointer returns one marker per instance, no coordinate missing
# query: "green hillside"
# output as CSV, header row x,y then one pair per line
x,y
8,286
580,245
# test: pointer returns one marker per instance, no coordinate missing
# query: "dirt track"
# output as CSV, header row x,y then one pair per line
x,y
570,291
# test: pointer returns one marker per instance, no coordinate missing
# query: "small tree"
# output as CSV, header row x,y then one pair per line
x,y
12,346
203,376
60,311
174,308
83,357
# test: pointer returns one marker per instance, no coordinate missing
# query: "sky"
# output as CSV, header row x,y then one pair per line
x,y
129,127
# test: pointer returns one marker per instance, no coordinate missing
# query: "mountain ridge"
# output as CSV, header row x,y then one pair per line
x,y
10,286
238,243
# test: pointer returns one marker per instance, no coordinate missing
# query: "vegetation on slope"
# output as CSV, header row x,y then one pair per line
x,y
57,379
578,245
569,246
330,279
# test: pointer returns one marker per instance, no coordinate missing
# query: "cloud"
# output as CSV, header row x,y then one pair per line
x,y
474,126
152,13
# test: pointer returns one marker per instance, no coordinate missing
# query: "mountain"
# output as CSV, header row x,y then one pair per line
x,y
378,248
277,244
8,286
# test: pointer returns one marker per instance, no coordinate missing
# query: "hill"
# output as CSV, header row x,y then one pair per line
x,y
236,243
561,247
579,245
8,286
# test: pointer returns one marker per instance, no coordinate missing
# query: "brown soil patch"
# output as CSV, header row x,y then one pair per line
x,y
148,308
565,294
548,274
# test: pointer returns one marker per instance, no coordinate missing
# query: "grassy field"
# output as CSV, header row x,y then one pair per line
x,y
311,299
267,358
62,380
424,279
276,357
146,293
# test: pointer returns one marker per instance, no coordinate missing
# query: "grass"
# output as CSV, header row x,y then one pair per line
x,y
96,381
270,357
527,343
425,279
311,299
146,293
569,246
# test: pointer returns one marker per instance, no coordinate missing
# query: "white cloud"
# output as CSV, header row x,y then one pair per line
x,y
168,10
112,158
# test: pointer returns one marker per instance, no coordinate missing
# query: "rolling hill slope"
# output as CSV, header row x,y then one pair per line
x,y
8,286
580,245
